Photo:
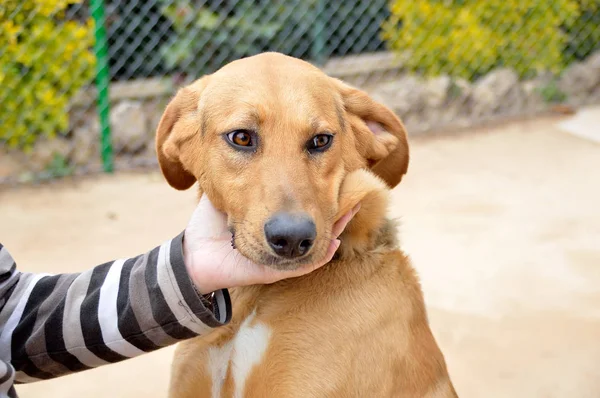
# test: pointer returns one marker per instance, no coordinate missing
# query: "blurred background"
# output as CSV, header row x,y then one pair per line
x,y
499,210
84,82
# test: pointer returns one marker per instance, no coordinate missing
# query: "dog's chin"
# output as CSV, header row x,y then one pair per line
x,y
266,258
279,263
282,264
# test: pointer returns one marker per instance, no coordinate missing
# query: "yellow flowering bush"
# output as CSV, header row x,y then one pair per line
x,y
467,38
44,61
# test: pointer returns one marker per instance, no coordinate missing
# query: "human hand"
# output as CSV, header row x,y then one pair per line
x,y
213,264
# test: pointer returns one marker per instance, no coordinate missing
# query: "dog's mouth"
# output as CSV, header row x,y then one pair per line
x,y
232,238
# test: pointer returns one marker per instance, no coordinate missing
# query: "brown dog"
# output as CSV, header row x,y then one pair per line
x,y
279,146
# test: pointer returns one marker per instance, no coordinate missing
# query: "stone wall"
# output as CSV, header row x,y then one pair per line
x,y
443,102
424,105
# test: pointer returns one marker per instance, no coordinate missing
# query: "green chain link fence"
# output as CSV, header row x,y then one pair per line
x,y
83,84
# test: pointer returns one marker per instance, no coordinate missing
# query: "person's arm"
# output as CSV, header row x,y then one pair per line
x,y
52,325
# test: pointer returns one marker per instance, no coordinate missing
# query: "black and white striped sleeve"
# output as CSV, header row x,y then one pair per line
x,y
51,325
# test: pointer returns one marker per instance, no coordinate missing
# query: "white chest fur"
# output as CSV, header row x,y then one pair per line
x,y
241,354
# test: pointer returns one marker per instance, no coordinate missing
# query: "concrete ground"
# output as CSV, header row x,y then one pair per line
x,y
503,225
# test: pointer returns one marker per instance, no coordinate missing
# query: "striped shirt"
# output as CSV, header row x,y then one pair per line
x,y
53,325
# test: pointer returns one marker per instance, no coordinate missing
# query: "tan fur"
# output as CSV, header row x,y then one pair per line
x,y
354,328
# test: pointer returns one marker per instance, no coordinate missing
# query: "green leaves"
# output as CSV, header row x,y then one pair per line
x,y
468,38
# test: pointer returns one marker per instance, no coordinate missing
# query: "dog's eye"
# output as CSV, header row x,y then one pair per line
x,y
241,138
320,142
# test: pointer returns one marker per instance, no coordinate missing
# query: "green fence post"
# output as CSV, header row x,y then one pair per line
x,y
102,83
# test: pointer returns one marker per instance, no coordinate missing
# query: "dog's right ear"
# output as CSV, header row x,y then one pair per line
x,y
179,123
380,135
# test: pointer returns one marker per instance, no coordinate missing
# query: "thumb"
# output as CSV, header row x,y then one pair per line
x,y
206,221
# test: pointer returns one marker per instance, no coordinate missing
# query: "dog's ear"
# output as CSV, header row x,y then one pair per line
x,y
380,135
178,123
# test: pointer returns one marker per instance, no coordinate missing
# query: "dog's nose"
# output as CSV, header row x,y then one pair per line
x,y
290,235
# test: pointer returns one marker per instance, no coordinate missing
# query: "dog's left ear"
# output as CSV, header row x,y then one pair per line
x,y
380,135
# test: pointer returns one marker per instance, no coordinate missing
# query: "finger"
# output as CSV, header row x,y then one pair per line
x,y
340,225
333,246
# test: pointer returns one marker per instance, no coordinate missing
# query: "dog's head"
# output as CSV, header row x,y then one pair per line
x,y
270,139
